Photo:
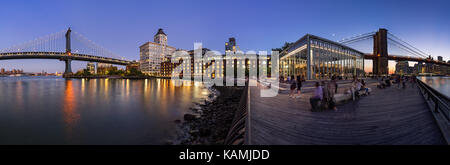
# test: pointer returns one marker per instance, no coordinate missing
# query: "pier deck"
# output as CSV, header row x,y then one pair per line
x,y
387,116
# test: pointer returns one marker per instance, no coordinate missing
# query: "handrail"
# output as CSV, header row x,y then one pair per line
x,y
440,101
236,134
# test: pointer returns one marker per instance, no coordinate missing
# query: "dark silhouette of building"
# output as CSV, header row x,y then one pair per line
x,y
231,45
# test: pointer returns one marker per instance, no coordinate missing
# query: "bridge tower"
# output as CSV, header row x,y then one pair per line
x,y
380,51
68,60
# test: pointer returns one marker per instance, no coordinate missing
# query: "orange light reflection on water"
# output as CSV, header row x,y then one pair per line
x,y
71,117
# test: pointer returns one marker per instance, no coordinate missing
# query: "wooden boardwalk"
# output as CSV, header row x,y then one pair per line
x,y
387,116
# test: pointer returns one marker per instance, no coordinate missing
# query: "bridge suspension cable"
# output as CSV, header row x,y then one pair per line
x,y
405,48
406,45
357,38
83,45
49,43
56,42
393,40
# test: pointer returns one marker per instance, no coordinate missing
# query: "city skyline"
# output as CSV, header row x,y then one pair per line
x,y
255,28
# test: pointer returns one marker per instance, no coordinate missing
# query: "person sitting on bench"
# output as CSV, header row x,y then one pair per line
x,y
382,84
361,87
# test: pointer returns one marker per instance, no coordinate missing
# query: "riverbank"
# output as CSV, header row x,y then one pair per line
x,y
107,76
210,121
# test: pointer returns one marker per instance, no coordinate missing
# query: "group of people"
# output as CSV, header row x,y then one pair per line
x,y
384,82
324,94
399,80
324,91
295,84
358,85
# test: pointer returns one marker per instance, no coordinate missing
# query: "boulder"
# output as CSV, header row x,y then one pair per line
x,y
189,117
204,132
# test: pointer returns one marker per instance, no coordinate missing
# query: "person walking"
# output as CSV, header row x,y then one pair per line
x,y
326,91
404,82
293,85
317,96
334,83
299,85
331,101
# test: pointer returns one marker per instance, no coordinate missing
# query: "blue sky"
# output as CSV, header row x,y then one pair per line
x,y
123,25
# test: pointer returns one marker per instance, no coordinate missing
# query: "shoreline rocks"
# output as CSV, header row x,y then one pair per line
x,y
210,121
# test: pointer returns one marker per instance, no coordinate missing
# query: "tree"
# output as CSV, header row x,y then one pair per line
x,y
134,72
84,72
285,46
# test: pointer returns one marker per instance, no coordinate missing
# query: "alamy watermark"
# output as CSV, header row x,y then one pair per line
x,y
233,68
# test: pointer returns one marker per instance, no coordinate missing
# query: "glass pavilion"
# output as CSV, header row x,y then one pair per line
x,y
318,58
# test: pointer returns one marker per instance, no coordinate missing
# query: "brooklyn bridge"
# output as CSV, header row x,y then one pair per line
x,y
380,55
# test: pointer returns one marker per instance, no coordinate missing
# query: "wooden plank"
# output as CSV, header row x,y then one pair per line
x,y
387,116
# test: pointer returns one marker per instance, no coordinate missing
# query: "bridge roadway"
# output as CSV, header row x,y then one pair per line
x,y
387,116
406,58
61,56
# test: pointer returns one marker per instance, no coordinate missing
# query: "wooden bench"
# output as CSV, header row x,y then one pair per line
x,y
340,98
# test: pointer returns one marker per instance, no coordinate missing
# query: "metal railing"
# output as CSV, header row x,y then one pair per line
x,y
237,134
441,103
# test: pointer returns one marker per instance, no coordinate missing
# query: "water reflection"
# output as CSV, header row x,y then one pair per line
x,y
441,84
71,117
19,94
50,110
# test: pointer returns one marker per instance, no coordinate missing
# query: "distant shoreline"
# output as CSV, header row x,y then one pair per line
x,y
109,77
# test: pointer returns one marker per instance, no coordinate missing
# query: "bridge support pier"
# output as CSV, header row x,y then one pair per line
x,y
380,50
68,66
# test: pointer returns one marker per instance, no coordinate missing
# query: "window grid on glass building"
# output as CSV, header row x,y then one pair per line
x,y
326,58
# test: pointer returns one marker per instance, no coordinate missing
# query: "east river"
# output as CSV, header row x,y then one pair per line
x,y
441,84
53,110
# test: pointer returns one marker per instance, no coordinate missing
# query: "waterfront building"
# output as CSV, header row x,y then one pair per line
x,y
91,67
231,45
134,65
448,71
318,58
402,67
419,68
207,67
167,68
210,68
429,68
104,69
103,65
12,71
152,54
196,66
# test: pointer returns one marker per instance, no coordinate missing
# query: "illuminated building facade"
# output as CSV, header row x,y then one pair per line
x,y
402,67
167,68
135,65
318,58
152,54
196,66
210,68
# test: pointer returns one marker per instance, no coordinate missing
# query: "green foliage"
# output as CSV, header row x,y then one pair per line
x,y
134,72
285,46
111,71
83,72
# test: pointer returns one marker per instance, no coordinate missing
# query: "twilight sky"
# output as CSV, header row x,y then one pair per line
x,y
122,26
